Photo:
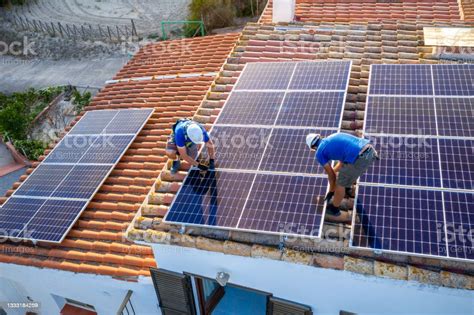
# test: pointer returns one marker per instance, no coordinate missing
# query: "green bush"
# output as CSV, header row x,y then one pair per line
x,y
33,149
14,119
214,14
80,100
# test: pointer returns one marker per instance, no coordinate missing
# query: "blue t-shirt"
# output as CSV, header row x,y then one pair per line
x,y
340,147
181,136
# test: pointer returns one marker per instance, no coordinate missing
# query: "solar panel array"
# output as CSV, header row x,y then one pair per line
x,y
267,180
51,199
416,199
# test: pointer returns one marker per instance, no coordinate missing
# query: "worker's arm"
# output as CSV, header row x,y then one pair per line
x,y
331,176
184,155
338,167
211,149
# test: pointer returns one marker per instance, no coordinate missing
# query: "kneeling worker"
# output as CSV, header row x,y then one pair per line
x,y
183,143
354,154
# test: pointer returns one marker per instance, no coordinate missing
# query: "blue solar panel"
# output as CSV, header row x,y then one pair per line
x,y
455,116
65,182
253,202
287,152
128,121
405,161
400,219
328,75
44,180
81,182
252,108
452,80
266,76
93,122
395,115
401,80
107,149
459,222
312,109
54,219
285,205
216,199
457,163
239,148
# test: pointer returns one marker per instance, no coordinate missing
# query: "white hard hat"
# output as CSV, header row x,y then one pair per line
x,y
312,139
195,133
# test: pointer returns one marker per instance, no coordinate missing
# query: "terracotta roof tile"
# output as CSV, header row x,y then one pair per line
x,y
97,244
342,11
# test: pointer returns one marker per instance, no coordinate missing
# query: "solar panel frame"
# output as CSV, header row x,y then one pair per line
x,y
112,166
273,127
440,137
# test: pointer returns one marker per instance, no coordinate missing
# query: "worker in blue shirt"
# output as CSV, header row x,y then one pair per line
x,y
354,156
184,142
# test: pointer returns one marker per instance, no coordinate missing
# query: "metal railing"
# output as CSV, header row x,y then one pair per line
x,y
127,307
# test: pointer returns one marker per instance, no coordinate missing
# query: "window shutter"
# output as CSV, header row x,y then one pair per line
x,y
174,292
278,306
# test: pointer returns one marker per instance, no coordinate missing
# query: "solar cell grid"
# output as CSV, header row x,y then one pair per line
x,y
106,149
460,220
457,163
93,122
401,80
328,75
285,205
413,223
128,121
287,152
312,109
455,116
266,76
70,149
54,219
215,200
253,108
452,80
81,182
239,148
395,115
405,161
44,180
12,220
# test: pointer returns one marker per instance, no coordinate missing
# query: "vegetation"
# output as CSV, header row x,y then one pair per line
x,y
80,100
8,3
219,13
17,111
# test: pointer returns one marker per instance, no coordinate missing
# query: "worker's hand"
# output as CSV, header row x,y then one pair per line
x,y
203,167
212,164
329,196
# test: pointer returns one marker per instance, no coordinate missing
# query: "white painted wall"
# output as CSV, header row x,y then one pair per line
x,y
104,293
326,291
283,11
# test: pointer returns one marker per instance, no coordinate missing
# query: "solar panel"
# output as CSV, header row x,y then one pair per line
x,y
253,108
329,75
251,202
434,107
457,163
266,76
455,79
238,147
260,139
400,220
216,199
50,200
459,221
312,109
284,204
287,152
405,161
454,116
395,115
401,80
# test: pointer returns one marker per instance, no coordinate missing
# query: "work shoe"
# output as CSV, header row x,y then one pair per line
x,y
175,167
333,214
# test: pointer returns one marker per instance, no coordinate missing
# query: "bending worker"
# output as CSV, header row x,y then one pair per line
x,y
354,156
183,143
